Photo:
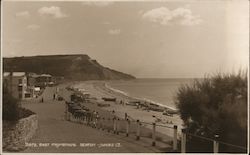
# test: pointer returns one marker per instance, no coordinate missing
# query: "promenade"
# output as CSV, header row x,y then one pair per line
x,y
54,130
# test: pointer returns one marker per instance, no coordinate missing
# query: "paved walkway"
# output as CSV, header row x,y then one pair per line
x,y
54,129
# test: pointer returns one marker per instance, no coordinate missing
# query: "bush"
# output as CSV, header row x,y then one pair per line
x,y
12,111
216,105
23,113
10,106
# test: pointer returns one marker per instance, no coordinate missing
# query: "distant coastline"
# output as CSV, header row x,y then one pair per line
x,y
73,67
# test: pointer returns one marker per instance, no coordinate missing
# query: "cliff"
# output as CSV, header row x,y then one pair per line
x,y
73,67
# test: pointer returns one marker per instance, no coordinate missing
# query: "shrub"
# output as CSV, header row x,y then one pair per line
x,y
12,111
10,106
216,105
23,113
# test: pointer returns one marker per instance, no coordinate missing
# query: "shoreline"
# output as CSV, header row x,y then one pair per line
x,y
98,90
138,98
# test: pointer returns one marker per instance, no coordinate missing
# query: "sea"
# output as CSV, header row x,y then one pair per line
x,y
159,91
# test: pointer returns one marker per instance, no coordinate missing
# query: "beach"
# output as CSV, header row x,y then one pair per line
x,y
54,130
99,89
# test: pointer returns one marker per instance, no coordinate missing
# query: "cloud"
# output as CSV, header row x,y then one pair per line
x,y
106,23
114,31
53,11
98,3
165,16
24,14
33,27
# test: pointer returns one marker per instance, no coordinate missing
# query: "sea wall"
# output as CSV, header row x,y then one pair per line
x,y
15,135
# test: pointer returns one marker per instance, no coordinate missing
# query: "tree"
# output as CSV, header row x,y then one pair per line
x,y
216,105
10,105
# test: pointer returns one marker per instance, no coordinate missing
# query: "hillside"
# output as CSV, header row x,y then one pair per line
x,y
73,67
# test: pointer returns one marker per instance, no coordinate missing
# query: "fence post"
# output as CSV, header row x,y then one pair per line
x,y
117,126
127,127
67,115
88,119
114,125
70,116
108,121
73,117
183,141
175,138
216,144
98,123
103,123
81,119
153,134
66,111
85,119
77,118
138,130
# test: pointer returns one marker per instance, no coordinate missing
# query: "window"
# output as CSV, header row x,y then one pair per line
x,y
20,88
20,95
20,81
27,95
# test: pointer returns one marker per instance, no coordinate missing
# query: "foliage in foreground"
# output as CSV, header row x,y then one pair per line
x,y
11,107
215,105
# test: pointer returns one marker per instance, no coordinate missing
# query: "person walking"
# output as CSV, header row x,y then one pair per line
x,y
113,114
97,118
94,118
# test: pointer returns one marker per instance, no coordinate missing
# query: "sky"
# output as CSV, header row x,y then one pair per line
x,y
161,39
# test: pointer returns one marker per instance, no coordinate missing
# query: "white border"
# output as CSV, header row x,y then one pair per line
x,y
1,65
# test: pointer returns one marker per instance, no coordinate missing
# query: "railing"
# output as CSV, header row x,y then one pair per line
x,y
130,128
214,141
138,129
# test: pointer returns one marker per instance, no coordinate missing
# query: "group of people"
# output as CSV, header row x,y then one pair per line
x,y
95,118
121,102
92,118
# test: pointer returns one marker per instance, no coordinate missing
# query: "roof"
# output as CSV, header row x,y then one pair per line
x,y
17,74
37,89
6,74
34,75
46,75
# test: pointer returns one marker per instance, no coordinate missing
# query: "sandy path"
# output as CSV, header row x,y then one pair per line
x,y
54,129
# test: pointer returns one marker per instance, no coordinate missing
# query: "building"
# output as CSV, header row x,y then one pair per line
x,y
31,79
16,83
33,86
44,80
